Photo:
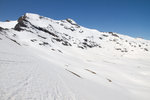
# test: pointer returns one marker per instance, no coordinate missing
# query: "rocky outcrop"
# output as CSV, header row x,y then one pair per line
x,y
69,33
1,28
71,21
22,22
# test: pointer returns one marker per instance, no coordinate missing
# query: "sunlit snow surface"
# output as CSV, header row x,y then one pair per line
x,y
30,71
10,24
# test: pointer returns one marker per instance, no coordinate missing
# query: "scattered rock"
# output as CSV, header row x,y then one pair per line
x,y
41,17
15,41
90,71
85,40
113,34
33,40
109,80
74,73
58,40
62,24
145,49
41,36
7,20
66,43
122,50
80,47
100,38
60,51
72,22
115,40
45,30
100,46
105,35
1,28
118,48
53,49
44,43
81,31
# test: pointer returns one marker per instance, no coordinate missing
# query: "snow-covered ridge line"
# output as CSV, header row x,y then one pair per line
x,y
47,31
9,24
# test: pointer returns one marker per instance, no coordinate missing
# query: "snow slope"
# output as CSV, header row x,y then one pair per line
x,y
10,24
46,59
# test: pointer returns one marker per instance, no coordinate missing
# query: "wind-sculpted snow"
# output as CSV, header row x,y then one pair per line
x,y
46,59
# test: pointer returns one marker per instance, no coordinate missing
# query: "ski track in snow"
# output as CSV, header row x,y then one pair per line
x,y
29,77
32,83
27,80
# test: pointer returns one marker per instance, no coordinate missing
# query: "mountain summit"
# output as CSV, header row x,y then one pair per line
x,y
46,59
67,32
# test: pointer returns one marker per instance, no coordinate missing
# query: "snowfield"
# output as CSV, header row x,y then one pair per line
x,y
10,24
46,59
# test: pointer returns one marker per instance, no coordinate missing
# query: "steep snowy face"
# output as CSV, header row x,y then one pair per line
x,y
66,32
36,30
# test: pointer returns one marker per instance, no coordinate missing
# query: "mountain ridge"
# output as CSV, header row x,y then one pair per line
x,y
69,33
46,59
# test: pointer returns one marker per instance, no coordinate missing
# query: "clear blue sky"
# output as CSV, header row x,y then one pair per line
x,y
130,17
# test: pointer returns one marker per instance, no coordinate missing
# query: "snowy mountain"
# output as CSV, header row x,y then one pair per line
x,y
46,59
